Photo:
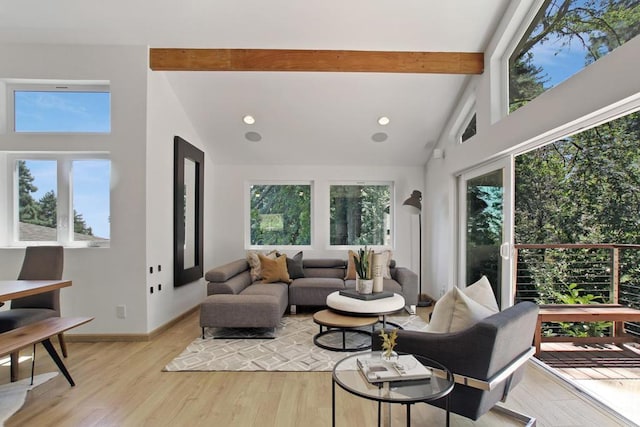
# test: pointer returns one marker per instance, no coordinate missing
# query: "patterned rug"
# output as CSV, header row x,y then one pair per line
x,y
292,349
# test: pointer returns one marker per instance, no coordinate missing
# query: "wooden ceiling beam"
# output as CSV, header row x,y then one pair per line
x,y
175,59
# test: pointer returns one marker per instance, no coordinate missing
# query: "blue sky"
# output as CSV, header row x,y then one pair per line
x,y
559,62
90,188
70,112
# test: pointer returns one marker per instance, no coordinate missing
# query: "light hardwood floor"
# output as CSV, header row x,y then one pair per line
x,y
122,384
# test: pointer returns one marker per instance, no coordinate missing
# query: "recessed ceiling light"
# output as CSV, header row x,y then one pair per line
x,y
249,119
383,121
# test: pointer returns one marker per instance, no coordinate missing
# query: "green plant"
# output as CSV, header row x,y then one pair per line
x,y
362,262
575,295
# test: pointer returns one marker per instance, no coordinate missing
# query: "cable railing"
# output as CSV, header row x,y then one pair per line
x,y
579,274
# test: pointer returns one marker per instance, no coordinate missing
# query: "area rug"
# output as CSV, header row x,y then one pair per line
x,y
291,349
13,395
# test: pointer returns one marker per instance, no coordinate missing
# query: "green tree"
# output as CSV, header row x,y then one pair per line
x,y
28,208
48,207
280,214
598,26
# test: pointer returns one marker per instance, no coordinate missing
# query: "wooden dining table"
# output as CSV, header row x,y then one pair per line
x,y
11,289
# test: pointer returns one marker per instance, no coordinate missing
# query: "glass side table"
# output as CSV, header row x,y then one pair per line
x,y
406,392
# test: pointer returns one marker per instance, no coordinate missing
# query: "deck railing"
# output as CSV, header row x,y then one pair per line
x,y
579,274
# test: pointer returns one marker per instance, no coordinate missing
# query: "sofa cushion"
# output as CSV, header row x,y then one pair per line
x,y
455,311
351,266
294,266
254,262
274,270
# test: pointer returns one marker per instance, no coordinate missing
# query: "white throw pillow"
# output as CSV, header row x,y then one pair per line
x,y
482,293
455,311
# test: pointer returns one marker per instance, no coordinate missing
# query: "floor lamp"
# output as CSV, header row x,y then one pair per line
x,y
414,206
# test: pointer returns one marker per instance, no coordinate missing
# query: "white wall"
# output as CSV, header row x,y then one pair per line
x,y
166,118
102,277
595,91
228,199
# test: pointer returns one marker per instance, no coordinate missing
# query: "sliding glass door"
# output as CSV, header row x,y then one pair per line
x,y
485,227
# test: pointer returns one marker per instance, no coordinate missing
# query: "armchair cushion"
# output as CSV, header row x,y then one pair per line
x,y
456,311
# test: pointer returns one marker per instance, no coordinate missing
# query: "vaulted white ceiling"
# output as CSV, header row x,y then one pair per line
x,y
302,117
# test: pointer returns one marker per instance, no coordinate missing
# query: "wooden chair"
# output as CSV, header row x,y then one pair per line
x,y
40,263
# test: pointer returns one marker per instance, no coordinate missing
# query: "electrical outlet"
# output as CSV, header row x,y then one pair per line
x,y
151,290
159,267
159,287
150,270
121,311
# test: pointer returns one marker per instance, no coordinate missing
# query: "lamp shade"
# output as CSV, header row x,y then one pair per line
x,y
414,203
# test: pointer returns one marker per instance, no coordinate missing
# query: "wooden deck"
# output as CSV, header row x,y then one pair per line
x,y
609,373
593,361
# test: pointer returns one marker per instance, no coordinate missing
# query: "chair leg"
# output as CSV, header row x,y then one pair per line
x,y
63,344
15,360
527,420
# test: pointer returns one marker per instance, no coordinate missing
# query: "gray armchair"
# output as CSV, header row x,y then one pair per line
x,y
40,263
487,359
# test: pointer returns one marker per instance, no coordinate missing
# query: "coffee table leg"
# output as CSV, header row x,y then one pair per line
x,y
333,402
408,414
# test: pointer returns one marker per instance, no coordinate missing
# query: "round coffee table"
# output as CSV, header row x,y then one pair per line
x,y
346,374
342,324
357,307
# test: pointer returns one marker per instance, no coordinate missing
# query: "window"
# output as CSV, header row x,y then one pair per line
x,y
280,214
62,108
564,37
470,130
360,214
61,198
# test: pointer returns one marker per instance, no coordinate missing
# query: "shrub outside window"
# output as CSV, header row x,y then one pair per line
x,y
280,214
360,214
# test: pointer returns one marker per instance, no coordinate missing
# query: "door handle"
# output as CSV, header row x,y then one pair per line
x,y
505,250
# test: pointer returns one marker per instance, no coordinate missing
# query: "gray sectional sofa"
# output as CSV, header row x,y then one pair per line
x,y
235,301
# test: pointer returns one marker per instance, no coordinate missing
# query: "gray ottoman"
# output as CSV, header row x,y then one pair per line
x,y
242,311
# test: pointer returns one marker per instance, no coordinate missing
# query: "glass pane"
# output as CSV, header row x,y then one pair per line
x,y
280,214
565,37
360,215
37,200
50,111
189,214
470,130
485,195
91,221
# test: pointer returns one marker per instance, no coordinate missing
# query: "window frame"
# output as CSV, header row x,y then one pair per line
x,y
392,231
247,214
52,86
64,196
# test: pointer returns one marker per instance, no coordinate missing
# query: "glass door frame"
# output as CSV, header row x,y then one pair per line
x,y
506,164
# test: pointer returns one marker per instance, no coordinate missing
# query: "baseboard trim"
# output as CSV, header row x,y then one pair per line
x,y
129,337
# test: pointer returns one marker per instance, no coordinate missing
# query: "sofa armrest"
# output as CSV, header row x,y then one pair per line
x,y
230,278
409,282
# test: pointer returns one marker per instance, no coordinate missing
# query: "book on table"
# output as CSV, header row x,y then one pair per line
x,y
352,293
407,367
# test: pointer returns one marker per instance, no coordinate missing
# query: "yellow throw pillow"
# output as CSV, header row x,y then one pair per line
x,y
274,270
351,266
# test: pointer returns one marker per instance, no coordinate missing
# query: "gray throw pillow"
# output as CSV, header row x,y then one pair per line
x,y
294,265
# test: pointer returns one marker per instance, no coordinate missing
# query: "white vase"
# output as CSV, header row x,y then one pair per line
x,y
378,280
364,286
